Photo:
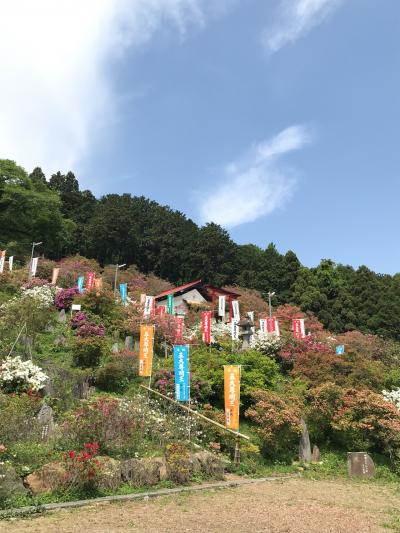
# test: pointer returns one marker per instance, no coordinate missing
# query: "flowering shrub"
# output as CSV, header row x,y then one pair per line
x,y
392,396
267,344
178,462
82,468
365,420
64,297
90,329
110,422
78,319
277,423
44,294
19,376
164,381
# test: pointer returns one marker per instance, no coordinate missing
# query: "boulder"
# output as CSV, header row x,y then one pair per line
x,y
144,472
209,464
10,483
129,343
62,317
110,473
48,478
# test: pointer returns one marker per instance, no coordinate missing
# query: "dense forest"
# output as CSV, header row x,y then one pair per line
x,y
135,230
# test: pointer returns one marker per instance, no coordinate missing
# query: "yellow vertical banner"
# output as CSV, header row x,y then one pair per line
x,y
54,277
146,350
98,284
232,396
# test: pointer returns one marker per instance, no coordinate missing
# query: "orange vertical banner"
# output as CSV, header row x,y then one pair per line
x,y
232,396
146,350
98,284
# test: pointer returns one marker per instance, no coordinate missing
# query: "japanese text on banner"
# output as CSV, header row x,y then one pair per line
x,y
181,367
232,396
146,350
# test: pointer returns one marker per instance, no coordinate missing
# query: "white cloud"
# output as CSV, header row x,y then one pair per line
x,y
255,186
295,19
55,92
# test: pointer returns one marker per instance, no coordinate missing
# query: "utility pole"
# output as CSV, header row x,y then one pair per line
x,y
270,295
117,267
30,262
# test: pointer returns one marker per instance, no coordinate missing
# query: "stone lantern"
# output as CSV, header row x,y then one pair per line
x,y
245,332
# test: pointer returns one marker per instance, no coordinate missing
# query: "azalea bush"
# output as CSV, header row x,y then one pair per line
x,y
277,421
90,329
164,381
392,396
82,468
116,375
65,297
267,344
20,376
110,422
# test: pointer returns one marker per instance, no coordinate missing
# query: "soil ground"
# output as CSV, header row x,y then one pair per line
x,y
294,505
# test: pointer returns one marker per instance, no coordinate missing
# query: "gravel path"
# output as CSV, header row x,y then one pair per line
x,y
296,505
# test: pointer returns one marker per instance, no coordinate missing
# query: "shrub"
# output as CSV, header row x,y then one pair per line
x,y
365,420
323,403
65,297
316,367
110,422
115,375
178,462
164,381
20,376
82,468
87,351
277,422
78,319
90,329
18,414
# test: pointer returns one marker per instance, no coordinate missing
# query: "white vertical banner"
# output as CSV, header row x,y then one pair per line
x,y
2,260
277,331
235,330
250,314
235,310
221,305
263,325
34,266
148,306
10,263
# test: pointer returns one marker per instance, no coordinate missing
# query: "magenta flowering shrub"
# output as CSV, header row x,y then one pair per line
x,y
90,329
78,320
64,298
164,382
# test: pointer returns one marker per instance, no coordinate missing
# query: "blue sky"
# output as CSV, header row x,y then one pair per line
x,y
279,119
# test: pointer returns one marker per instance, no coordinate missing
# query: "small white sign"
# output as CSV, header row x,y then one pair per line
x,y
76,307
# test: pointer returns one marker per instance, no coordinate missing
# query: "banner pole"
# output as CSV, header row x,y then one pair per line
x,y
189,419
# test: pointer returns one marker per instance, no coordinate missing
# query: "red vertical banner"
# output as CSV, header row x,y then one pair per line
x,y
90,280
161,310
178,328
298,328
206,326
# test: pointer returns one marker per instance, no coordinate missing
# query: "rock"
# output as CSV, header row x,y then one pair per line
x,y
10,483
48,478
304,445
144,472
209,464
115,348
62,317
110,473
316,454
360,464
46,421
129,344
49,328
59,340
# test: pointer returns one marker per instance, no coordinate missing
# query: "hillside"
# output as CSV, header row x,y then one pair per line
x,y
135,230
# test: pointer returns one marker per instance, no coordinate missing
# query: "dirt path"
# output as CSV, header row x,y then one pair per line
x,y
300,506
